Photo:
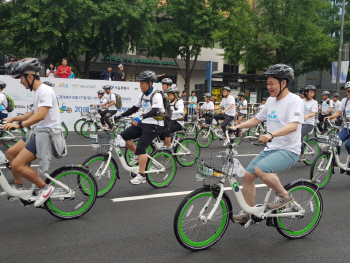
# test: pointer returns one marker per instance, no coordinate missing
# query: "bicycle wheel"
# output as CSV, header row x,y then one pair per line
x,y
191,229
180,136
18,133
307,196
129,155
105,182
311,150
191,130
78,124
65,129
188,159
220,134
318,170
88,128
204,138
84,188
162,179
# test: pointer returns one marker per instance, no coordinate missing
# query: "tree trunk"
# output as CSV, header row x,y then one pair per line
x,y
87,65
187,76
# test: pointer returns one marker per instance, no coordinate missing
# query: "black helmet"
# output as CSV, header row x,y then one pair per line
x,y
263,99
280,71
326,93
2,84
336,95
172,90
226,88
148,76
241,94
206,95
107,87
27,66
310,87
298,94
48,83
167,81
101,91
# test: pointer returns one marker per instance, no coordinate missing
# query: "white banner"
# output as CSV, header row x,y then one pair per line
x,y
343,72
74,95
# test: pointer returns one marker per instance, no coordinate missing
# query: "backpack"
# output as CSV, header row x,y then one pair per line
x,y
118,102
10,104
165,103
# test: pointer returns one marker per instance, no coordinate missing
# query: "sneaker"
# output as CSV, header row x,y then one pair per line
x,y
280,202
139,179
301,158
134,160
242,218
44,195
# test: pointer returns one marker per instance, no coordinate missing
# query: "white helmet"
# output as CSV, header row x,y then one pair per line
x,y
347,85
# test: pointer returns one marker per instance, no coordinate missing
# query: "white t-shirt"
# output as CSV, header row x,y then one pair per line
x,y
326,106
336,105
346,107
102,101
310,107
208,106
3,102
241,105
51,75
177,111
261,106
44,96
226,102
110,98
146,106
278,114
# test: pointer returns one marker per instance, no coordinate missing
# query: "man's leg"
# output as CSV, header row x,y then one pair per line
x,y
102,114
133,132
130,145
11,155
108,115
248,188
218,117
320,124
227,120
271,180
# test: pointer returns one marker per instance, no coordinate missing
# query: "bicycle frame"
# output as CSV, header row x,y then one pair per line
x,y
158,144
336,158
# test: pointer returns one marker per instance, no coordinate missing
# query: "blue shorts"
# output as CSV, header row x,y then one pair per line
x,y
31,145
274,161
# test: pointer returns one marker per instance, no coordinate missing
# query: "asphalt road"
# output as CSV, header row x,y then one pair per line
x,y
142,230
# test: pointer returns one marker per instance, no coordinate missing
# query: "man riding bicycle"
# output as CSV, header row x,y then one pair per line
x,y
228,109
175,114
326,110
146,127
102,101
284,115
241,107
110,106
46,118
207,109
166,84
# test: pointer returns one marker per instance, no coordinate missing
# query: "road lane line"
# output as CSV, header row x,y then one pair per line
x,y
141,197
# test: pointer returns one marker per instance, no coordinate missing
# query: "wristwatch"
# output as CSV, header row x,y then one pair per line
x,y
271,135
20,124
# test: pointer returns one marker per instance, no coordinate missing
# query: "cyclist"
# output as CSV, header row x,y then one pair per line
x,y
110,106
46,117
336,101
242,107
3,101
207,109
284,115
262,105
146,127
344,109
101,102
326,109
310,110
228,106
175,113
166,83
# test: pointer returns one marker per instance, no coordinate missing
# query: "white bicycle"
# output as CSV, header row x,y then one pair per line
x,y
203,216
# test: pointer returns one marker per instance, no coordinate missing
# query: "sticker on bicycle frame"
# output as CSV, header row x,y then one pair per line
x,y
120,153
236,187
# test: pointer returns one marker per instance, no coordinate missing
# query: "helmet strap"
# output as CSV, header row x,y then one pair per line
x,y
30,85
281,90
149,90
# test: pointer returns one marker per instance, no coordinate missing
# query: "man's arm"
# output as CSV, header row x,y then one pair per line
x,y
20,118
35,118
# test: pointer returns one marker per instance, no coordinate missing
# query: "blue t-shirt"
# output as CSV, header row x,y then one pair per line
x,y
71,75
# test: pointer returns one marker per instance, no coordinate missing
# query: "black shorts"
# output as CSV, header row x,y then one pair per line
x,y
146,134
31,145
174,126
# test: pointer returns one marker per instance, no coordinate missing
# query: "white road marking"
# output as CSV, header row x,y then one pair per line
x,y
250,154
141,197
79,145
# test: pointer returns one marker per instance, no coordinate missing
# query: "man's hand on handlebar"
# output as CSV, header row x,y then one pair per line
x,y
8,126
8,120
265,138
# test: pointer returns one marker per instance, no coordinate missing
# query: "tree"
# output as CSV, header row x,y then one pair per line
x,y
184,28
78,29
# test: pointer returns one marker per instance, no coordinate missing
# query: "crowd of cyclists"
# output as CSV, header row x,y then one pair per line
x,y
288,119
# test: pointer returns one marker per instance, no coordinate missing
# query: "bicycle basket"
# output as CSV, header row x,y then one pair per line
x,y
101,142
208,118
332,140
86,114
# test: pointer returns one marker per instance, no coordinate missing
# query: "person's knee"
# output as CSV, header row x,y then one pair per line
x,y
259,173
249,178
17,165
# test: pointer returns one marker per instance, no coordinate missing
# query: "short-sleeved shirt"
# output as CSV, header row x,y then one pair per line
x,y
278,114
345,107
51,75
111,97
118,76
146,106
326,105
336,105
310,107
3,103
226,102
177,109
241,105
102,101
261,106
208,106
44,96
